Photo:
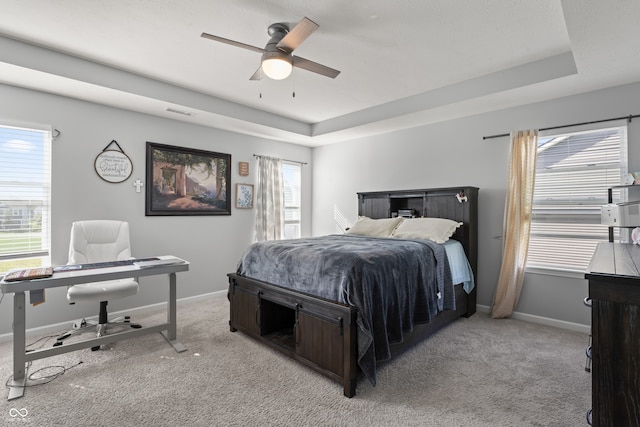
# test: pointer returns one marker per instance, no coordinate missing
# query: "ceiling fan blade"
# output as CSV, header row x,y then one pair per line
x,y
314,67
232,42
258,75
297,35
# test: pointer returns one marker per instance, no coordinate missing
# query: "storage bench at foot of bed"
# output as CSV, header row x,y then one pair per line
x,y
318,333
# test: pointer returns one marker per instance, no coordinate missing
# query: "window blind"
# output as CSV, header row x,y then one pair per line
x,y
25,188
291,174
573,174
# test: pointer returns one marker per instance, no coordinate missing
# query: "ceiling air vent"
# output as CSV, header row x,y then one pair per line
x,y
184,113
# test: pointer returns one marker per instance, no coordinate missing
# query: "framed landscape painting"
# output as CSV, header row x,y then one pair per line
x,y
187,181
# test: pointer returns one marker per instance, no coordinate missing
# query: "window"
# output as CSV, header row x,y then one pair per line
x,y
291,173
573,174
25,178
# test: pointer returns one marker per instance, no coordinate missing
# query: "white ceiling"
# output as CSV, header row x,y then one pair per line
x,y
403,63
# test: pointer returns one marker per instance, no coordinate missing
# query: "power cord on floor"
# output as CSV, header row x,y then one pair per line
x,y
37,341
44,379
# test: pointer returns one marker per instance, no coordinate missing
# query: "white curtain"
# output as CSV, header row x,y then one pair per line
x,y
517,221
269,211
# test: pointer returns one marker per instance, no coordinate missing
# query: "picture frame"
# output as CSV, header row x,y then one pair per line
x,y
187,181
244,196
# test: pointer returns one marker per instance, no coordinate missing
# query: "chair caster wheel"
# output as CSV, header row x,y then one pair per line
x,y
96,348
136,325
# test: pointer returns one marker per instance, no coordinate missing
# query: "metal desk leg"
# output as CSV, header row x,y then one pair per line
x,y
170,334
16,388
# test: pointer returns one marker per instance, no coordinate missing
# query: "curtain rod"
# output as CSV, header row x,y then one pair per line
x,y
628,118
292,161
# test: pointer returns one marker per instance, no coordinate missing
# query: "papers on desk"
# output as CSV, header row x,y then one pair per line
x,y
157,262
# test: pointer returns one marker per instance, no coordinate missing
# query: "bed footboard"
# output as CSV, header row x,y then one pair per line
x,y
318,333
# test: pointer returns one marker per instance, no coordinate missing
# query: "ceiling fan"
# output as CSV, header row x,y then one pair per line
x,y
277,56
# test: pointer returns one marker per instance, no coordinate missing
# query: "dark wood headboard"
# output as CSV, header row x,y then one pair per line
x,y
431,202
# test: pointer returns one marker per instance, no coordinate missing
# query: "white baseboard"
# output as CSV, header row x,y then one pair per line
x,y
60,327
542,320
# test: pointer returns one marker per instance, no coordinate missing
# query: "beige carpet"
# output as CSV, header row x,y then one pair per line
x,y
477,372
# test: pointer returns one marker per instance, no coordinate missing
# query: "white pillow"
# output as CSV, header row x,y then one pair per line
x,y
437,229
375,227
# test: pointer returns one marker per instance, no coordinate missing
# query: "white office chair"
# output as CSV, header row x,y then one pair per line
x,y
99,241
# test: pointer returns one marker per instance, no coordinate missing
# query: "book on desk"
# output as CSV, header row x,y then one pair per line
x,y
36,297
28,274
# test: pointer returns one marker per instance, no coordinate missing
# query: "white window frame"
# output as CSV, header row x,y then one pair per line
x,y
33,191
292,200
587,212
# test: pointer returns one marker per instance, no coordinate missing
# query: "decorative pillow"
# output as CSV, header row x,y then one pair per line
x,y
437,229
375,227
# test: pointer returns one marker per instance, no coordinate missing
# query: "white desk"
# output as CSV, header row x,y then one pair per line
x,y
68,278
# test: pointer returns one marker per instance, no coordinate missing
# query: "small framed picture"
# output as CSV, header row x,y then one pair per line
x,y
244,196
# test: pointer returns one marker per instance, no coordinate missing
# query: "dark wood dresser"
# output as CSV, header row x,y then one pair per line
x,y
614,289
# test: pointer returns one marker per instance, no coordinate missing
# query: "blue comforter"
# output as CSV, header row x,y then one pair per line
x,y
393,283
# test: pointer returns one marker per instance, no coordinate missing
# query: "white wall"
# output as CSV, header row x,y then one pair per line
x,y
213,244
453,153
440,155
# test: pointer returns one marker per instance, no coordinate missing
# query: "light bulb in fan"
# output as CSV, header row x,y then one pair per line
x,y
277,65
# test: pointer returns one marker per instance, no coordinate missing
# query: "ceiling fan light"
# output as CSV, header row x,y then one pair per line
x,y
277,68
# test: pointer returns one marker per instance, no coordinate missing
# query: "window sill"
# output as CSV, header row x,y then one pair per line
x,y
574,274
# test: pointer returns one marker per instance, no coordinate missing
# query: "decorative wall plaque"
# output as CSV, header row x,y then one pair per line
x,y
113,165
243,168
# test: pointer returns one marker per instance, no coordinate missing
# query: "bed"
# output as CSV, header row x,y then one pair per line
x,y
344,303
